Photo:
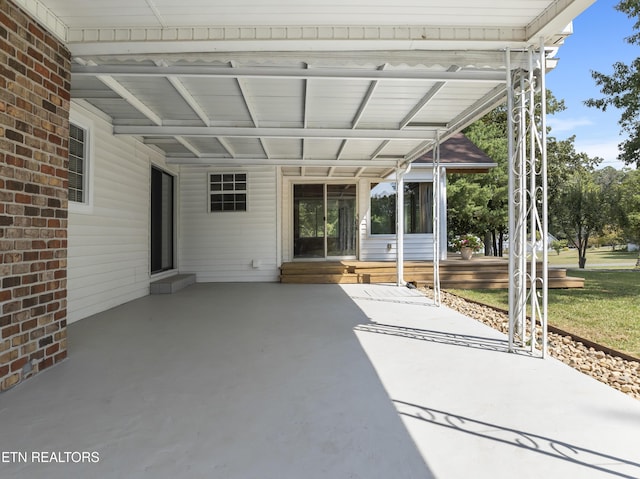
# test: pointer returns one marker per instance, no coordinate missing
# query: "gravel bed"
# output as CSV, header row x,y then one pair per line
x,y
618,373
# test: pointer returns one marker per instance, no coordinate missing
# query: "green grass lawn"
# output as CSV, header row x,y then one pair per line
x,y
606,311
596,258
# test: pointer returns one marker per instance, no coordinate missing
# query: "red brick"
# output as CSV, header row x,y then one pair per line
x,y
34,107
44,364
22,198
10,330
29,325
60,356
54,348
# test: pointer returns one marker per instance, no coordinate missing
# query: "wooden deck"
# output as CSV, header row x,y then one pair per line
x,y
478,273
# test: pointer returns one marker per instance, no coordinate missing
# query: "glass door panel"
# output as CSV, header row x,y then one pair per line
x,y
341,220
308,221
161,221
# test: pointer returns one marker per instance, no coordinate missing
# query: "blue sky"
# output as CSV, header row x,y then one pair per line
x,y
596,43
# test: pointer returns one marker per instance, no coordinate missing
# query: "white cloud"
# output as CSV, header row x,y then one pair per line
x,y
605,149
567,124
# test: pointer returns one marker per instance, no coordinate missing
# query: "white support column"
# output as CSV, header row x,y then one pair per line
x,y
399,227
400,173
528,215
436,220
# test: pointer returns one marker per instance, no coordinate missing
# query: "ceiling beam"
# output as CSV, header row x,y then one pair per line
x,y
409,74
249,104
305,107
299,163
379,150
290,133
363,105
130,98
188,97
188,146
433,91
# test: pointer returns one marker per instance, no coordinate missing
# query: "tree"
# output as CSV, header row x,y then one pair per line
x,y
480,203
580,211
630,203
621,89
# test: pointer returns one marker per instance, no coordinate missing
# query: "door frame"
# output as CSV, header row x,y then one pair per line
x,y
291,212
173,234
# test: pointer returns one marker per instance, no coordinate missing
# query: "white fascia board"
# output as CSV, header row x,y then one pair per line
x,y
46,17
554,20
457,166
105,41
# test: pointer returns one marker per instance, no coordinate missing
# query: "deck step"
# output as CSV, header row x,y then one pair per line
x,y
347,278
171,284
454,274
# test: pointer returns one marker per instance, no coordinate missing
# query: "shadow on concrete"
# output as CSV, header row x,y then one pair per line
x,y
560,450
451,339
233,381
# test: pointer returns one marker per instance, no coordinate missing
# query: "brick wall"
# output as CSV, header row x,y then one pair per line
x,y
34,129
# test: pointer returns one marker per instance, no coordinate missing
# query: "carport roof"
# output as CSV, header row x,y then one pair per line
x,y
354,86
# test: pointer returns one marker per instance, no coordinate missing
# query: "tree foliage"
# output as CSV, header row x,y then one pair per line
x,y
579,211
479,203
630,202
621,89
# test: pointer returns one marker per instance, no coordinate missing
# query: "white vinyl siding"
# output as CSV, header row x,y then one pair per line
x,y
234,246
108,247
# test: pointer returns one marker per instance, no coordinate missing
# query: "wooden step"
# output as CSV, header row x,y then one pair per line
x,y
347,278
484,273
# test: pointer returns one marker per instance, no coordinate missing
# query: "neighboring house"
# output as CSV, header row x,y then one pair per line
x,y
141,140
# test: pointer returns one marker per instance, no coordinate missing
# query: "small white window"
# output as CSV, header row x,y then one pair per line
x,y
78,163
227,192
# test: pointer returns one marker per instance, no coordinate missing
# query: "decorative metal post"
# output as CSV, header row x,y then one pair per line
x,y
528,217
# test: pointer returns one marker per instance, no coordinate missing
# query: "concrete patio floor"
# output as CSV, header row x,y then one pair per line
x,y
241,381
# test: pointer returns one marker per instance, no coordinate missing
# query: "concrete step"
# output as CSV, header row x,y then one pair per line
x,y
171,284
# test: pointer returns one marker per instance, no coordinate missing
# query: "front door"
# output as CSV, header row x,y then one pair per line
x,y
324,221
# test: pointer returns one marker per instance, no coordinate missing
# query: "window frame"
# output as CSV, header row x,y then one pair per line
x,y
227,191
86,205
370,232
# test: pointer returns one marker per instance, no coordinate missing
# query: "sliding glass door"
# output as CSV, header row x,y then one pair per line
x,y
324,221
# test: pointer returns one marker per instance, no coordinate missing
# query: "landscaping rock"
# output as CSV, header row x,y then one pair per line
x,y
618,373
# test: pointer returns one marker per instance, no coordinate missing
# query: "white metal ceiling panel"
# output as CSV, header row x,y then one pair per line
x,y
292,70
221,100
321,149
209,146
276,102
160,97
335,104
285,149
246,147
359,150
121,111
295,12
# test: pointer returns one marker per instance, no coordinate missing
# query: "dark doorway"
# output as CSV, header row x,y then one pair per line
x,y
161,221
